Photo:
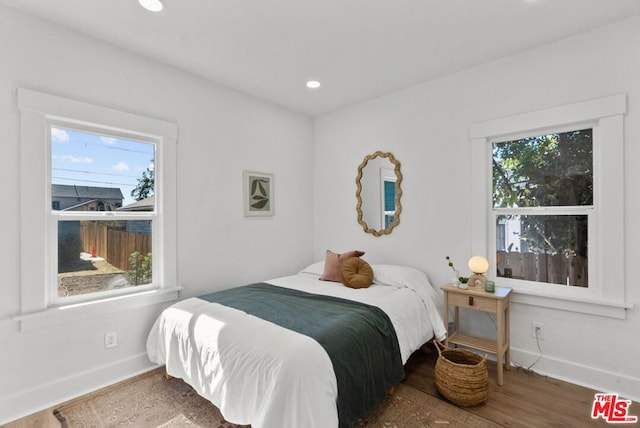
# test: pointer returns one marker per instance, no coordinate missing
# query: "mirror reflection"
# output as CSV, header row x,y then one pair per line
x,y
378,193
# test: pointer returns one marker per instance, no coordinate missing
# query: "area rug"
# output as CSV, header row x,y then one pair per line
x,y
149,400
145,401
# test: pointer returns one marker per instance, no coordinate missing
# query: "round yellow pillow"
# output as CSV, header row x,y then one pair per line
x,y
356,273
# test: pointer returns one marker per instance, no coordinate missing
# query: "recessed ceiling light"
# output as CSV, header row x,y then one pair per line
x,y
313,84
152,5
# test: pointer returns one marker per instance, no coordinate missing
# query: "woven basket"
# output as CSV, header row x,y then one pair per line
x,y
461,376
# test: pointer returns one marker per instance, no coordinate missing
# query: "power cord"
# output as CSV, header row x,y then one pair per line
x,y
539,350
492,320
528,369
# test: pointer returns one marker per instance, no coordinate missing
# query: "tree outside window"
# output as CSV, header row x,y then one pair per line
x,y
542,197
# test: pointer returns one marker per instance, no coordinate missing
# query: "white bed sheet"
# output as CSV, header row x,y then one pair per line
x,y
262,374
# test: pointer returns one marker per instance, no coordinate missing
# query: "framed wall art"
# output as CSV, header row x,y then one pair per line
x,y
258,194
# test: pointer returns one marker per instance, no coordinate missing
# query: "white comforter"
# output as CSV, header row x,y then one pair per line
x,y
261,374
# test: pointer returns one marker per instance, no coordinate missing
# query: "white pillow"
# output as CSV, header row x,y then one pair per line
x,y
316,268
406,276
416,280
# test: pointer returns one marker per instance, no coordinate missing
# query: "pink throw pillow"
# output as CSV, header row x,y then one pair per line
x,y
332,264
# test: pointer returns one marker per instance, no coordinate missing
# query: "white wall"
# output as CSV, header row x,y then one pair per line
x,y
426,127
221,132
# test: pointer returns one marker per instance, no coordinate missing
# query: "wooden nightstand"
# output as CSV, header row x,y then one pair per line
x,y
478,299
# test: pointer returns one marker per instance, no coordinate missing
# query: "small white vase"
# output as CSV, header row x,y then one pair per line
x,y
456,279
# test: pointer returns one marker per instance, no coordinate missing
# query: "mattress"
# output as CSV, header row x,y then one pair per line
x,y
262,374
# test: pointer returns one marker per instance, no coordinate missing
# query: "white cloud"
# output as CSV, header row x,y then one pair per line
x,y
120,166
73,159
59,135
109,140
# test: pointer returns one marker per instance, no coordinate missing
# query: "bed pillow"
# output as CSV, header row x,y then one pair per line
x,y
416,280
332,264
316,268
356,273
406,276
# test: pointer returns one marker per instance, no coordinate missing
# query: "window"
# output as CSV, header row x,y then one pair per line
x,y
389,197
542,203
105,238
548,192
93,172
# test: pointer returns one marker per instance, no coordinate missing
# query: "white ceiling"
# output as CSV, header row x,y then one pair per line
x,y
358,49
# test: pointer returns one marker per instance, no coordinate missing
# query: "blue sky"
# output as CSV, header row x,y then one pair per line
x,y
87,159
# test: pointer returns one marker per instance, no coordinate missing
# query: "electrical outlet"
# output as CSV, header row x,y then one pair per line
x,y
537,330
110,340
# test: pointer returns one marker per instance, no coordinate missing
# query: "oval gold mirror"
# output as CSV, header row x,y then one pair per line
x,y
378,193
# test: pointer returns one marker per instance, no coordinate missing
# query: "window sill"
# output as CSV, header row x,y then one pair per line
x,y
90,309
616,310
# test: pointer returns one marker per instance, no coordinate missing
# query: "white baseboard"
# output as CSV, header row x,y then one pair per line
x,y
24,403
590,377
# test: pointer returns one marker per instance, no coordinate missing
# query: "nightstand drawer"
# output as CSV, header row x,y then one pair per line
x,y
472,301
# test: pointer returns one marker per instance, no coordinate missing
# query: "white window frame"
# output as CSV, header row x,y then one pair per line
x,y
55,216
605,295
39,305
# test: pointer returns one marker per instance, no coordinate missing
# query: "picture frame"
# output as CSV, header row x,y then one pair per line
x,y
258,190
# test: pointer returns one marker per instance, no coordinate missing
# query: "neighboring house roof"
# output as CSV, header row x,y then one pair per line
x,y
147,204
85,192
88,203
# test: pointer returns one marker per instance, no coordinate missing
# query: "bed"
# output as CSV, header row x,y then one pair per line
x,y
258,372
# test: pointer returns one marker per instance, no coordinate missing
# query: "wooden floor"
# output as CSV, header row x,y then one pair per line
x,y
525,400
43,419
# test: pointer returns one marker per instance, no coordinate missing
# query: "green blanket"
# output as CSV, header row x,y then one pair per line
x,y
359,339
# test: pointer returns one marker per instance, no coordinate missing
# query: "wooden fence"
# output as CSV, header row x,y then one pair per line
x,y
114,246
554,269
